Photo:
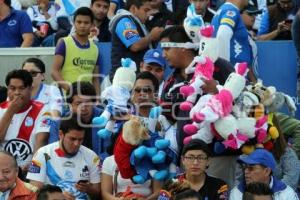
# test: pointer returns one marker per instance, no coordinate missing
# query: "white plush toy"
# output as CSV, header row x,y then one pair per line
x,y
220,105
117,96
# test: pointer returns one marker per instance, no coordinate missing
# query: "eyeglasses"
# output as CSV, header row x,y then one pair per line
x,y
34,73
193,158
144,90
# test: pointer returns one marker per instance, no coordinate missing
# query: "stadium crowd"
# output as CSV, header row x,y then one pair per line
x,y
209,130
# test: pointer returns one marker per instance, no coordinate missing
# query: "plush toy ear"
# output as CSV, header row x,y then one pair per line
x,y
291,104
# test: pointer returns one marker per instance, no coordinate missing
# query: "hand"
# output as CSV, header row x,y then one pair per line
x,y
15,105
94,32
155,33
40,34
68,196
43,7
83,186
210,86
282,26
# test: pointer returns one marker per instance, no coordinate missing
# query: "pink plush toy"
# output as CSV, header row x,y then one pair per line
x,y
219,105
203,68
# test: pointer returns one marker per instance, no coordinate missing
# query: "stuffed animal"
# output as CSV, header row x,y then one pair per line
x,y
133,134
192,24
281,99
220,105
117,96
265,94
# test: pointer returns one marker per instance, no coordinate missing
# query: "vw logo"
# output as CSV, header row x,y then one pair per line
x,y
20,149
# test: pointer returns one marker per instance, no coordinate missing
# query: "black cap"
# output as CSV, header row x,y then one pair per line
x,y
196,144
252,8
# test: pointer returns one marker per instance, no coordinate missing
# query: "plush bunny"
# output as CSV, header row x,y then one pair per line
x,y
117,96
214,107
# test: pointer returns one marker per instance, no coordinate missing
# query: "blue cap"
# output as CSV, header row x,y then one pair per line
x,y
259,157
154,56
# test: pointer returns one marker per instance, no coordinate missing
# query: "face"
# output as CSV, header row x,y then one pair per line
x,y
83,24
143,93
262,197
256,173
195,162
16,88
157,71
56,196
42,2
200,6
142,12
248,19
8,173
36,74
83,106
172,55
286,5
70,142
100,9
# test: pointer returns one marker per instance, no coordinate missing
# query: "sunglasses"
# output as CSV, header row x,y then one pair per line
x,y
34,73
144,90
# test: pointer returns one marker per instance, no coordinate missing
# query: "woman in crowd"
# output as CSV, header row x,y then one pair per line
x,y
195,158
113,186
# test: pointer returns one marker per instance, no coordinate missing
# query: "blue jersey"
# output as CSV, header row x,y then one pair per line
x,y
127,32
229,15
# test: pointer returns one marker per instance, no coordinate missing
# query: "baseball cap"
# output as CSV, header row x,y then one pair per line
x,y
252,9
259,157
154,56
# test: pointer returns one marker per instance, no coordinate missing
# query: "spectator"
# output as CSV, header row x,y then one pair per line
x,y
46,94
232,34
130,39
195,158
259,167
50,192
202,8
248,16
155,63
24,123
256,190
177,6
296,38
76,58
114,6
11,187
44,22
159,16
15,26
82,100
67,164
277,20
3,94
101,21
188,195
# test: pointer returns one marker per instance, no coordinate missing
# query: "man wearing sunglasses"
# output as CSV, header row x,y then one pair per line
x,y
259,167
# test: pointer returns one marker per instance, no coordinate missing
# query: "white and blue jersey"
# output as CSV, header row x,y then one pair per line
x,y
229,15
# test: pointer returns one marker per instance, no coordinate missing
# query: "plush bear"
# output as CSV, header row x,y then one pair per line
x,y
117,96
220,105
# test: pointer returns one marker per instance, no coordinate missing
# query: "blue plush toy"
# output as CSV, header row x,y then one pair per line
x,y
117,96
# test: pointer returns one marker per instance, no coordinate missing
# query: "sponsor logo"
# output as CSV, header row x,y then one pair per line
x,y
83,63
12,22
35,167
19,148
230,13
130,34
69,164
85,172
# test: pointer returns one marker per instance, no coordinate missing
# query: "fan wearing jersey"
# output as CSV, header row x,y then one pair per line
x,y
232,33
24,123
67,164
47,94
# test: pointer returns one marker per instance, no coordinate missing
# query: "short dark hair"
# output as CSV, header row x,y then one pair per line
x,y
46,190
69,124
81,88
14,161
188,194
85,11
7,2
175,34
37,62
19,74
3,94
256,188
137,3
196,144
106,1
149,76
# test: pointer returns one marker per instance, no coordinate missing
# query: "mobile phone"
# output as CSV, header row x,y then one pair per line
x,y
82,181
288,21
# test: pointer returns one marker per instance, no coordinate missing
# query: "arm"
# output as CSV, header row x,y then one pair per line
x,y
27,39
38,184
156,186
224,36
55,72
107,187
111,10
92,189
41,140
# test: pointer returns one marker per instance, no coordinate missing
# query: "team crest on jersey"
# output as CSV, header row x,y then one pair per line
x,y
130,33
127,25
230,13
28,121
68,175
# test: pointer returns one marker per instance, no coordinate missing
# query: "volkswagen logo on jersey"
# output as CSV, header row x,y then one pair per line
x,y
19,148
